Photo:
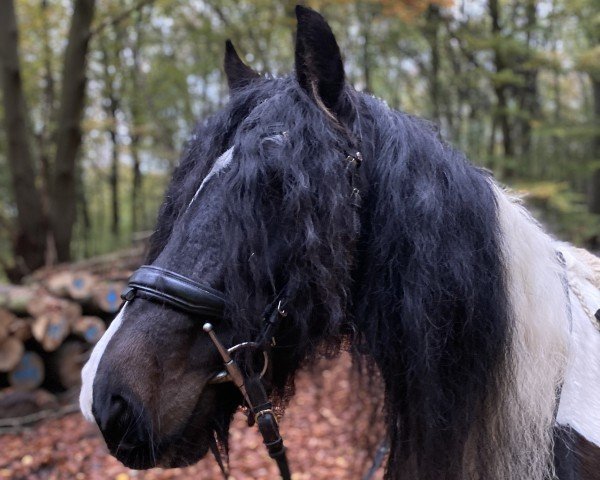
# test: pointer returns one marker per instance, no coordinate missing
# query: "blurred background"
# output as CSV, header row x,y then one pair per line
x,y
100,96
96,127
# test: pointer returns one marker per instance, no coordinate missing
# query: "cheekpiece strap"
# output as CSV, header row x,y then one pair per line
x,y
354,161
164,286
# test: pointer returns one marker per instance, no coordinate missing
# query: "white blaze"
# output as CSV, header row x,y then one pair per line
x,y
86,397
88,373
220,164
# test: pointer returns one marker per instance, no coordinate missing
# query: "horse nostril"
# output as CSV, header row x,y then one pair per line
x,y
125,427
115,415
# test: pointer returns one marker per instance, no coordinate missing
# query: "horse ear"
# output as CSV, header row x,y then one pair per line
x,y
319,66
238,73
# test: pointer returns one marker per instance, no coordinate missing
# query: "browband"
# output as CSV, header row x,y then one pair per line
x,y
167,287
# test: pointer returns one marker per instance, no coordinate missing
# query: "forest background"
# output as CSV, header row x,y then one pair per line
x,y
99,97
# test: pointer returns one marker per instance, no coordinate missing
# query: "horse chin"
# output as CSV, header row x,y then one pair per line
x,y
179,452
210,418
189,449
184,452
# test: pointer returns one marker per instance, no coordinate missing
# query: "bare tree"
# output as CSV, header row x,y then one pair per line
x,y
30,237
595,180
501,116
68,141
112,106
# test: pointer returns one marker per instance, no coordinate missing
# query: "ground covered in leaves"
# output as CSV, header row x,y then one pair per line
x,y
324,429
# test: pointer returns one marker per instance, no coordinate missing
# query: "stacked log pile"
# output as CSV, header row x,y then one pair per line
x,y
49,324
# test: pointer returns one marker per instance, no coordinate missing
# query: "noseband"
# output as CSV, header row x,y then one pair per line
x,y
181,293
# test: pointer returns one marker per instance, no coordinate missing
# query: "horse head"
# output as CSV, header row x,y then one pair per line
x,y
261,203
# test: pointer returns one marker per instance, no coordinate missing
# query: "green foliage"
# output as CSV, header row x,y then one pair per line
x,y
507,77
589,61
562,210
164,62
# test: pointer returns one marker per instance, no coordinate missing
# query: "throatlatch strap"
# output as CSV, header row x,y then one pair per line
x,y
272,317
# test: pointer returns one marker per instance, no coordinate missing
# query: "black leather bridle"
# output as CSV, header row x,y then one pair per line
x,y
181,293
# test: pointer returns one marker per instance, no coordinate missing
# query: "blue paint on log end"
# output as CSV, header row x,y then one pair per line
x,y
112,297
91,334
27,370
54,331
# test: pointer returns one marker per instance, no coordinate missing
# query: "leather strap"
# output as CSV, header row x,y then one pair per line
x,y
164,286
261,409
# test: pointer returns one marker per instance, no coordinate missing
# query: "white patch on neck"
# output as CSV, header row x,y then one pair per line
x,y
540,343
86,397
580,396
220,163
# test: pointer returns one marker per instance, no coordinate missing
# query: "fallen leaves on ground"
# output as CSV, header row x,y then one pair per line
x,y
325,429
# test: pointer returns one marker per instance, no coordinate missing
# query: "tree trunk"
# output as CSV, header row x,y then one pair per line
x,y
112,106
529,102
114,171
432,29
84,211
501,113
595,180
63,194
48,112
137,212
30,243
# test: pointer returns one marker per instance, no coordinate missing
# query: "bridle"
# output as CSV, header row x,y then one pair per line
x,y
181,293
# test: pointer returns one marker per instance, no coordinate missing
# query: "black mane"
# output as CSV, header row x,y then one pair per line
x,y
420,280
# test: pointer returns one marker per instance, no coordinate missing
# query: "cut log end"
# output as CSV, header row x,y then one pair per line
x,y
17,298
107,296
72,284
68,361
44,304
21,328
6,320
11,352
51,329
90,329
29,372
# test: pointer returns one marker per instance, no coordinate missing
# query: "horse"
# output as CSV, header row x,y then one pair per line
x,y
305,218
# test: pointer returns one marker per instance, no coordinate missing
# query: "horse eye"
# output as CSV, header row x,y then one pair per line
x,y
270,145
279,138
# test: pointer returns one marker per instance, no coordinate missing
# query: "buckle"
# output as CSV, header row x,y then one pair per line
x,y
355,160
225,375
